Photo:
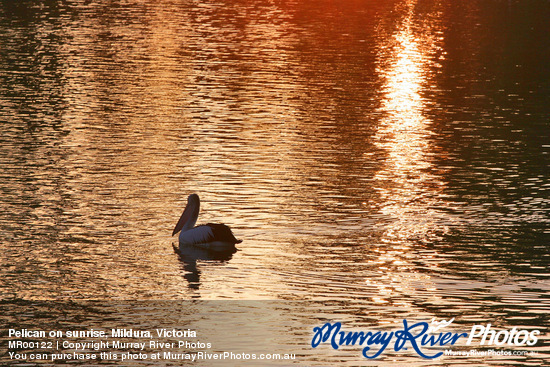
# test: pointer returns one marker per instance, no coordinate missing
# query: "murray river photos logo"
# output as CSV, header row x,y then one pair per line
x,y
420,336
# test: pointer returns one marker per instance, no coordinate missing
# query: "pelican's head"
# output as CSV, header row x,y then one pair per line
x,y
190,214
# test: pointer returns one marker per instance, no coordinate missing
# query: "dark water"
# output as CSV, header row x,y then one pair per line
x,y
380,159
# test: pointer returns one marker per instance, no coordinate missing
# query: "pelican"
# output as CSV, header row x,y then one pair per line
x,y
212,237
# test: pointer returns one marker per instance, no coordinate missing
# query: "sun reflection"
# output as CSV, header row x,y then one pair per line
x,y
405,183
408,189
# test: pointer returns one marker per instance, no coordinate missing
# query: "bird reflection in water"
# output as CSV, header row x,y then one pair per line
x,y
189,256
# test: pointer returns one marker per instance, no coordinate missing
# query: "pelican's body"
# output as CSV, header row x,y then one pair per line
x,y
212,237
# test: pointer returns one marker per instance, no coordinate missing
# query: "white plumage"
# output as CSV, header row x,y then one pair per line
x,y
197,235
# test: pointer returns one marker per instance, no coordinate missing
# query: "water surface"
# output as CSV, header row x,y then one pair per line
x,y
385,159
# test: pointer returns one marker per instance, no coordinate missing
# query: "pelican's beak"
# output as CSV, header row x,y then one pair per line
x,y
183,219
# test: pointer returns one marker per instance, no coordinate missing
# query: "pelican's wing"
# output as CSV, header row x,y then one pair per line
x,y
223,233
197,235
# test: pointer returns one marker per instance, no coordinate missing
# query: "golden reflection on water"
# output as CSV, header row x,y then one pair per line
x,y
407,188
